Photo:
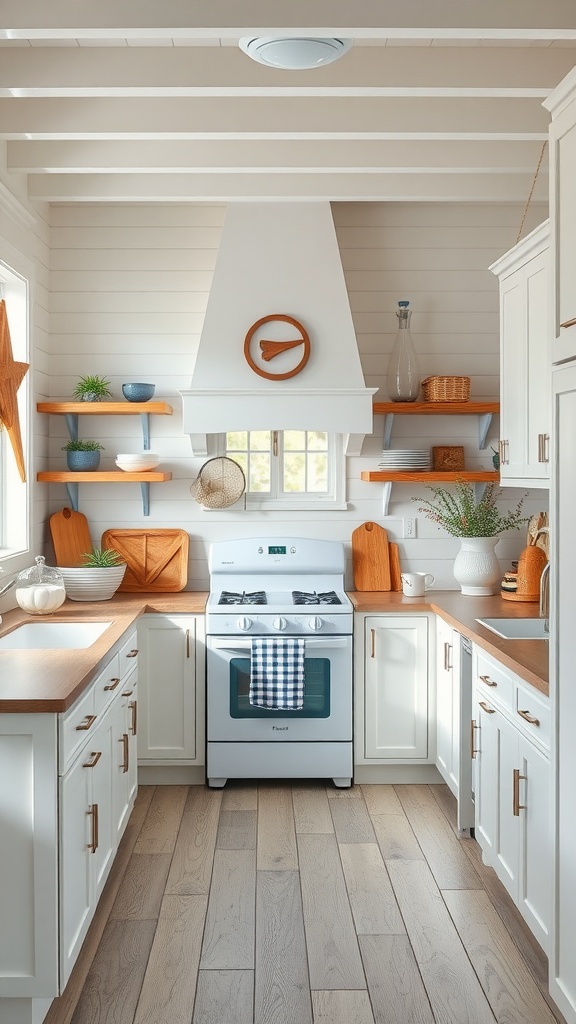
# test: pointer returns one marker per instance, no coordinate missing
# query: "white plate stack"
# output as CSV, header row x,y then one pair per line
x,y
400,459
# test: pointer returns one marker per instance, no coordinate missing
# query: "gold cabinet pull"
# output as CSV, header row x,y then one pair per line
x,y
125,752
488,681
528,717
86,723
187,643
372,643
447,649
133,705
569,323
127,693
95,756
486,707
473,749
133,653
93,814
114,682
516,805
504,447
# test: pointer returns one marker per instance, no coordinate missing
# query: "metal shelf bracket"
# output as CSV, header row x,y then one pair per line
x,y
484,422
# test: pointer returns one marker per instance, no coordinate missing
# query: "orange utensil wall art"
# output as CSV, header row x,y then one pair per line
x,y
12,374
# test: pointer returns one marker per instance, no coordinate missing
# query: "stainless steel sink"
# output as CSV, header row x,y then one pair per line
x,y
517,629
43,636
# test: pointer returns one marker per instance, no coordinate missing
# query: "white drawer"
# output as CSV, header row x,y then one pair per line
x,y
128,655
494,680
533,715
107,685
75,727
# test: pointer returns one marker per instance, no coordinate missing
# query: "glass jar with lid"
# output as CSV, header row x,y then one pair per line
x,y
40,589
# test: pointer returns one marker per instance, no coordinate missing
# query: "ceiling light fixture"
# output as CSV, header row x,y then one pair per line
x,y
293,54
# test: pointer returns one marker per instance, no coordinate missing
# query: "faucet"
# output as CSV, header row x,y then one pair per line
x,y
544,609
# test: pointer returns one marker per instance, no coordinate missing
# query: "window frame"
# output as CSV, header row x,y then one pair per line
x,y
309,501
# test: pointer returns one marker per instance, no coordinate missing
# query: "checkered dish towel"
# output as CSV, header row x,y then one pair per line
x,y
277,673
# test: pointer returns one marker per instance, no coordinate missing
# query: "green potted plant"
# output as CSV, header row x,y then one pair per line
x,y
92,389
97,579
478,521
83,456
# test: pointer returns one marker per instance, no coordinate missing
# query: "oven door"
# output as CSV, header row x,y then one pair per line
x,y
327,711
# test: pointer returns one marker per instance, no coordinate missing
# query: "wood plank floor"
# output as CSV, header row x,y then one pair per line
x,y
299,903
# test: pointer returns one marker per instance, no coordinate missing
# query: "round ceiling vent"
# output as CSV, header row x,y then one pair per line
x,y
294,54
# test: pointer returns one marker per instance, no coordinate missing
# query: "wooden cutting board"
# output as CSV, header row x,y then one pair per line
x,y
157,560
395,574
370,558
70,537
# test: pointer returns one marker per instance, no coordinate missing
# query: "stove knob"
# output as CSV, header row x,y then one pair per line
x,y
280,623
244,623
315,623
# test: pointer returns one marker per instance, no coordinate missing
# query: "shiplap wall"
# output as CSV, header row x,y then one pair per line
x,y
129,286
24,246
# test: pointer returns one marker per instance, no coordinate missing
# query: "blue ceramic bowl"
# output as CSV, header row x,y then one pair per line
x,y
138,392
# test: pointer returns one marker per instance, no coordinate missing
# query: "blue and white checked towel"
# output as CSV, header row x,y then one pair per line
x,y
277,673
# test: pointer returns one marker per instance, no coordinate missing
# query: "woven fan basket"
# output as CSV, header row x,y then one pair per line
x,y
446,389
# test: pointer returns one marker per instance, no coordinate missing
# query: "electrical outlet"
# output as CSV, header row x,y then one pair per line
x,y
409,527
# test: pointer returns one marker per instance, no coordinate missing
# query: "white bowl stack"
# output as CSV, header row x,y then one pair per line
x,y
92,584
139,462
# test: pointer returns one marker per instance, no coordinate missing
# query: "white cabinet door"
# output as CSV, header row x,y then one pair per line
x,y
124,760
396,687
167,683
563,688
513,814
525,360
447,725
563,216
87,838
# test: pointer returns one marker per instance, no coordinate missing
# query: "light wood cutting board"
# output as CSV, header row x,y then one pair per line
x,y
156,560
370,558
70,537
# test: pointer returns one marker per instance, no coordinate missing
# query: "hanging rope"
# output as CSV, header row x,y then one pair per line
x,y
528,201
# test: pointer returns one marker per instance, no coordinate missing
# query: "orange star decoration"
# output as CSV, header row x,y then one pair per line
x,y
11,376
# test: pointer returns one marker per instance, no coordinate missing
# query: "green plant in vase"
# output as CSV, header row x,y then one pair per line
x,y
92,389
101,558
478,522
83,456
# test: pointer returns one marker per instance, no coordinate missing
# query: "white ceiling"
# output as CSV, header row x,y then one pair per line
x,y
154,101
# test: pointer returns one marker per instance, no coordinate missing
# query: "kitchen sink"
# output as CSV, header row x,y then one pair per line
x,y
517,629
43,636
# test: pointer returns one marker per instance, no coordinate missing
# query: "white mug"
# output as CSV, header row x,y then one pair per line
x,y
414,584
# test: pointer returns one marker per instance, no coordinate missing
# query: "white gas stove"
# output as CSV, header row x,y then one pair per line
x,y
291,586
268,588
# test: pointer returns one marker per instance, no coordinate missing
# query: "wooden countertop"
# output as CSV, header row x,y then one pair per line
x,y
527,658
50,681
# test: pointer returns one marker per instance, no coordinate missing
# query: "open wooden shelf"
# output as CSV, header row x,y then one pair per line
x,y
429,477
104,408
96,477
436,408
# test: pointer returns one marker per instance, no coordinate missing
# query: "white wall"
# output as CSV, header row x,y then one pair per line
x,y
129,286
24,246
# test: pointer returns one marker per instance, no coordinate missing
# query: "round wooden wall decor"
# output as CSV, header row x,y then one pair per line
x,y
270,349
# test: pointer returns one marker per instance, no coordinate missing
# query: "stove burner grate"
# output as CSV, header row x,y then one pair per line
x,y
256,597
329,597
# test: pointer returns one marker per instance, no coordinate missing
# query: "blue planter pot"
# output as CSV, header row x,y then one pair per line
x,y
82,462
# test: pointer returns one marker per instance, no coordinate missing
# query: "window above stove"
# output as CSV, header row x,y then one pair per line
x,y
291,469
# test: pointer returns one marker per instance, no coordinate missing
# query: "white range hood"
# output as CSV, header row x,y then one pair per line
x,y
278,259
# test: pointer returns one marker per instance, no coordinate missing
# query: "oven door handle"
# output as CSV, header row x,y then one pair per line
x,y
219,644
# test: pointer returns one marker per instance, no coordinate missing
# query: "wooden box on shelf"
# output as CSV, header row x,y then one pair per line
x,y
448,457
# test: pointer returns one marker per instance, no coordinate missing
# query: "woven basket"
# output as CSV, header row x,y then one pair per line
x,y
446,389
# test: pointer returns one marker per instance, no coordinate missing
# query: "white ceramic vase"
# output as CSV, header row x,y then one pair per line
x,y
476,567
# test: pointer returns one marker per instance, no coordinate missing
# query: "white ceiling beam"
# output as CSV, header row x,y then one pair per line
x,y
274,117
226,156
49,71
77,19
280,187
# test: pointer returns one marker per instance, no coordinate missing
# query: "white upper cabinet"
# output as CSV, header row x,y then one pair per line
x,y
562,105
523,273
